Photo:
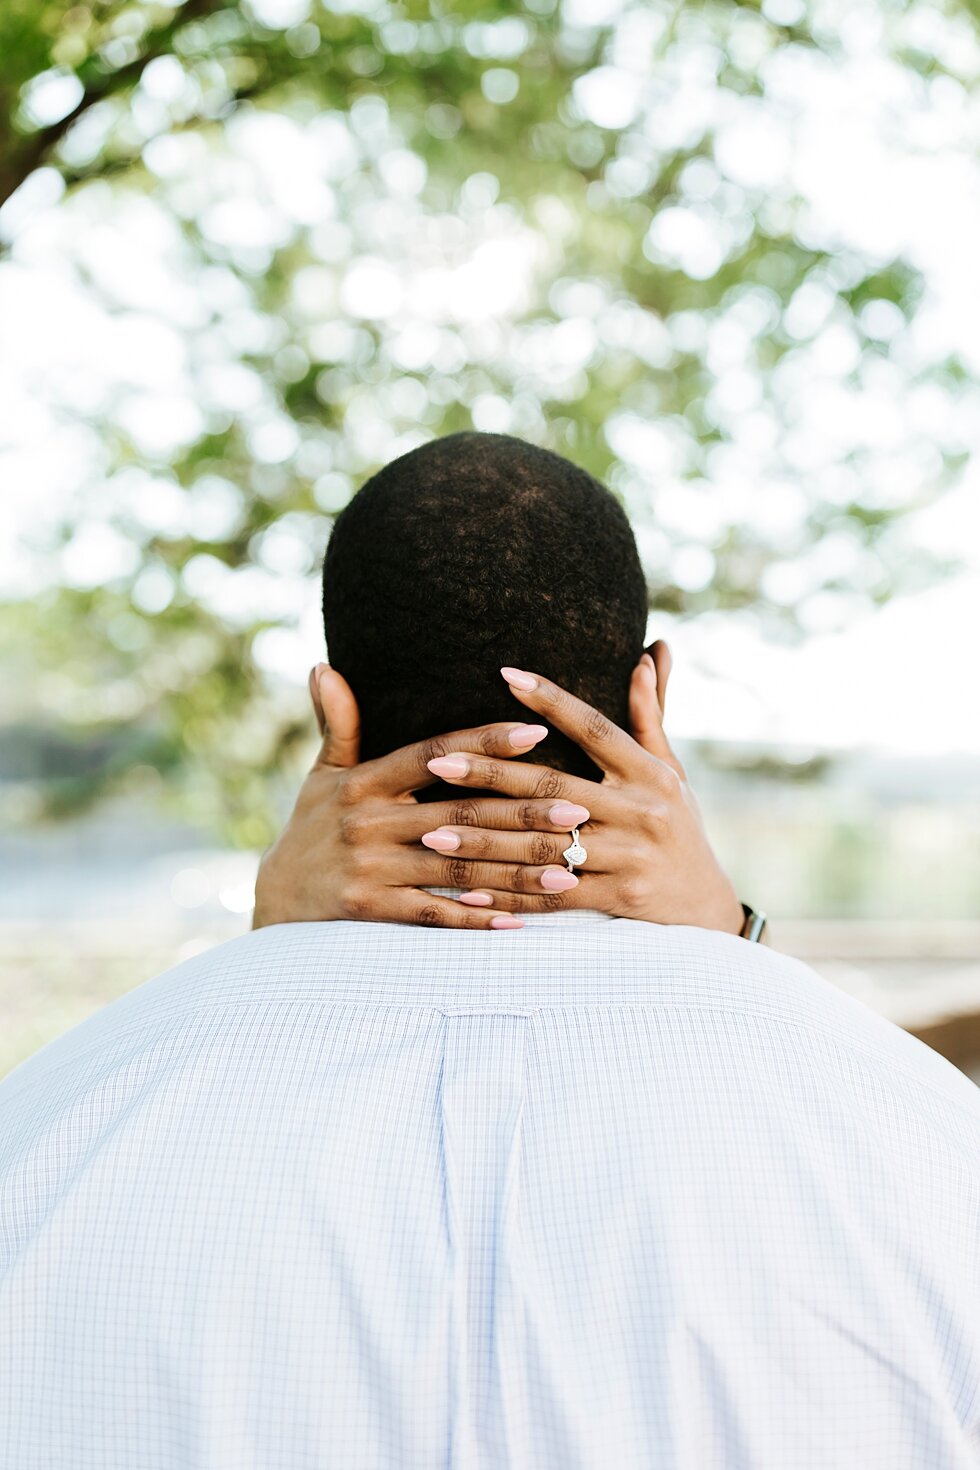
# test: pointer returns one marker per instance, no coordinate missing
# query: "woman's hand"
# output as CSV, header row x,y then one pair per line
x,y
359,846
648,854
352,848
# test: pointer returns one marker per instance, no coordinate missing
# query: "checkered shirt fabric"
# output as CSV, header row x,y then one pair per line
x,y
592,1195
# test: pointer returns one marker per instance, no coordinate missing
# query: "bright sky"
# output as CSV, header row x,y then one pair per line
x,y
901,680
886,164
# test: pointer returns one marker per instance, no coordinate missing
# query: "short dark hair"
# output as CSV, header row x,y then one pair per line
x,y
468,553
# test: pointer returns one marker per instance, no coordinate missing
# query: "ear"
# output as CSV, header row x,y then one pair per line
x,y
659,654
337,715
314,687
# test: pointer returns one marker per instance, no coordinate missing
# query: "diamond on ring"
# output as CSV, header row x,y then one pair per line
x,y
576,853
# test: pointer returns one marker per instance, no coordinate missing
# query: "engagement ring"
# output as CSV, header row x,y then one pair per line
x,y
576,853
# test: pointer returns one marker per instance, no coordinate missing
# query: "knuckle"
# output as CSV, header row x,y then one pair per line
x,y
668,780
350,788
550,901
489,742
541,849
481,844
429,915
517,878
491,774
549,785
458,873
355,900
358,863
433,748
527,814
628,893
654,816
375,821
558,699
597,727
461,814
351,826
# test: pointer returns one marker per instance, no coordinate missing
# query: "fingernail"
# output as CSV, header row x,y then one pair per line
x,y
558,880
440,840
506,921
476,898
527,734
448,765
567,814
517,679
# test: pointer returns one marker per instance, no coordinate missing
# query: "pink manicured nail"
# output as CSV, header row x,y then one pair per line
x,y
441,840
558,880
506,921
476,897
518,679
567,814
528,735
448,765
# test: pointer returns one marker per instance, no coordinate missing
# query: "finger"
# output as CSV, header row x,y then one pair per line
x,y
413,906
407,769
533,849
406,822
645,718
588,895
609,746
651,709
515,778
340,716
425,869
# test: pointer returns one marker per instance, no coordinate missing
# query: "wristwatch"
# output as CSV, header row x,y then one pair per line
x,y
755,925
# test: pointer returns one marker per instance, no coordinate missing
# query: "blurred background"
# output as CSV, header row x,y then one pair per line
x,y
722,255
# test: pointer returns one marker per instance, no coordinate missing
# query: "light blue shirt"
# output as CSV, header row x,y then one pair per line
x,y
594,1195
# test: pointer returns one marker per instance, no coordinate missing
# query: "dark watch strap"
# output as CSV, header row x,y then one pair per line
x,y
754,926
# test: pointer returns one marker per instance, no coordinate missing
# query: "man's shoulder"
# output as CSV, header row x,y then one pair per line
x,y
765,990
672,969
134,1018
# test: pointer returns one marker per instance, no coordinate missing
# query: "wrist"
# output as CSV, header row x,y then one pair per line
x,y
721,910
733,918
273,902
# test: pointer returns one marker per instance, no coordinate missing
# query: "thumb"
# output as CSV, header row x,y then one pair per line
x,y
338,717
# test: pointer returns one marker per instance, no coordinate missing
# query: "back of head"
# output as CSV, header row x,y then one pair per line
x,y
469,553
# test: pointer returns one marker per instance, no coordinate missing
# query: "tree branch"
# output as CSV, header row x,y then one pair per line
x,y
21,161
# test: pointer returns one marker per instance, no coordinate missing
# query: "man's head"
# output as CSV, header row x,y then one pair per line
x,y
469,553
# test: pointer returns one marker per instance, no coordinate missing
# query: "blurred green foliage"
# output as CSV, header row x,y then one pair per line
x,y
433,133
